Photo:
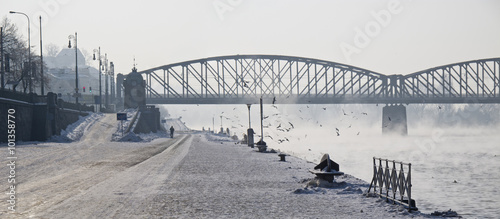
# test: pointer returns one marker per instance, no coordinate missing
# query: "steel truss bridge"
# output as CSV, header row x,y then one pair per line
x,y
284,79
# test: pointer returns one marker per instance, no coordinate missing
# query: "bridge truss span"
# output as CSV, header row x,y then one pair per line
x,y
286,79
243,77
472,81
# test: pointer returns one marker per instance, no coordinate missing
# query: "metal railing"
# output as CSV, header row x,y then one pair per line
x,y
394,182
132,122
75,106
20,96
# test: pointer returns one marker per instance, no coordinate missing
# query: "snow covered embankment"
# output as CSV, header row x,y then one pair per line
x,y
76,130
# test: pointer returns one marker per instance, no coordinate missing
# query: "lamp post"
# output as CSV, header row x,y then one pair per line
x,y
106,80
41,57
70,37
29,47
221,129
100,87
261,144
112,79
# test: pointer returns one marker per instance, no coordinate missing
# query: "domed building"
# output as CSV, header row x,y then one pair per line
x,y
61,73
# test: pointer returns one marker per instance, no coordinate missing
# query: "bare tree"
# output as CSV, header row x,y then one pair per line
x,y
88,57
51,50
16,50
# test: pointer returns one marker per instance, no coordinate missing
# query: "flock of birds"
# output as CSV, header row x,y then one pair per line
x,y
279,128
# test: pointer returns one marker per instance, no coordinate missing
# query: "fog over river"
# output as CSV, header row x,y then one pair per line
x,y
454,149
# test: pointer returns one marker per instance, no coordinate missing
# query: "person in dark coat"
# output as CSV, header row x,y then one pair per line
x,y
172,131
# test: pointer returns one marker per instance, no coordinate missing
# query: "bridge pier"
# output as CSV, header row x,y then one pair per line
x,y
394,120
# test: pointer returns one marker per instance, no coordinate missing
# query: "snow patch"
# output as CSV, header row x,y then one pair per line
x,y
75,131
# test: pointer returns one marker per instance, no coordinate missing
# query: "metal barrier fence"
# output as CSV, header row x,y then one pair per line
x,y
20,96
394,185
74,106
33,98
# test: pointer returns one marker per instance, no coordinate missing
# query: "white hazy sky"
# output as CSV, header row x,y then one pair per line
x,y
417,35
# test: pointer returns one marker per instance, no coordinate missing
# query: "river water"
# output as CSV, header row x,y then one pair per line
x,y
453,167
451,171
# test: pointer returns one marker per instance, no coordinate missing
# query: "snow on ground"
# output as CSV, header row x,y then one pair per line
x,y
452,167
177,123
121,135
221,178
76,130
196,175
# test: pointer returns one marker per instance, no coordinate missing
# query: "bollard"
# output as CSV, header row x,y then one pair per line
x,y
282,157
250,137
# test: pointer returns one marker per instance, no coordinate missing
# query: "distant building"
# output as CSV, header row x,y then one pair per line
x,y
61,72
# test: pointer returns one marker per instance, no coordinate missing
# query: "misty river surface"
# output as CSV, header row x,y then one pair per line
x,y
451,171
452,168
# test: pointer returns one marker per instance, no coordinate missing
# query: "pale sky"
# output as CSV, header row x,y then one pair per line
x,y
389,36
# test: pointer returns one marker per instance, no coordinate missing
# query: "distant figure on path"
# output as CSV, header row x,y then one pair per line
x,y
172,131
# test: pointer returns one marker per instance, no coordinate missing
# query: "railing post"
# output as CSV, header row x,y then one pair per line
x,y
409,186
386,179
374,178
381,173
394,181
402,182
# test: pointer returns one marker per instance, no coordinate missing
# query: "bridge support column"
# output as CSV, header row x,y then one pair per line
x,y
394,120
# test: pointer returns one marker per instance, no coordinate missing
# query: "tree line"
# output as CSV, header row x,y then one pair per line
x,y
14,57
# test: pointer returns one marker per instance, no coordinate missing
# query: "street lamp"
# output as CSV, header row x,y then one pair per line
x,y
41,56
112,79
75,37
106,80
221,128
100,88
29,47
